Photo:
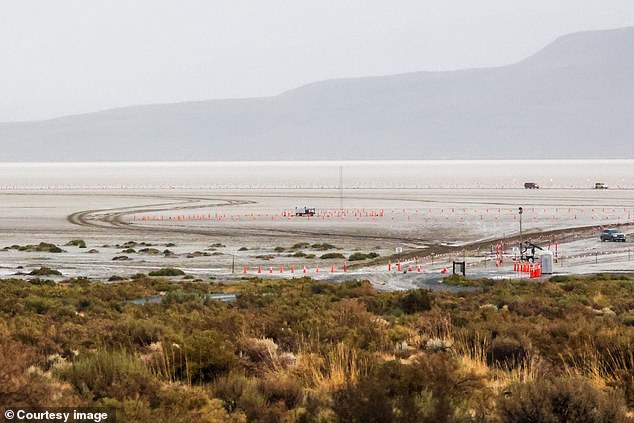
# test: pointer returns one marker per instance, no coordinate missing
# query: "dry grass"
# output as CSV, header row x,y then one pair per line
x,y
602,368
470,351
338,365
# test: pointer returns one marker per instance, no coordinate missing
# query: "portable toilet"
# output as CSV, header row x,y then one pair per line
x,y
547,262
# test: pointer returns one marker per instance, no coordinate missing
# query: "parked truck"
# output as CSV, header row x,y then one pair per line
x,y
531,185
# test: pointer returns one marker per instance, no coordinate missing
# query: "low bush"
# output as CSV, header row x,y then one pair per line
x,y
506,352
415,301
42,247
208,354
300,245
571,400
322,246
304,350
45,271
110,374
332,256
167,271
362,256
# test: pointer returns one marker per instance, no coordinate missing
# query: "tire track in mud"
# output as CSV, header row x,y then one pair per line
x,y
115,219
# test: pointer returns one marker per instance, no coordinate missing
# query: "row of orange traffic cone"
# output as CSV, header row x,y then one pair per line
x,y
304,270
534,270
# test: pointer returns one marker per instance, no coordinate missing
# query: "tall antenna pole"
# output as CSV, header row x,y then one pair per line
x,y
521,211
341,188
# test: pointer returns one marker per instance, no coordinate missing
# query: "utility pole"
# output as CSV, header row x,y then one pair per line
x,y
521,211
341,188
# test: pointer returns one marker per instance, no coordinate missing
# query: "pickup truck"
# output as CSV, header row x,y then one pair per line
x,y
304,211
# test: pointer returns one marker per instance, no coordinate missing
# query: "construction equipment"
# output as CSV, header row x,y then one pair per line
x,y
528,251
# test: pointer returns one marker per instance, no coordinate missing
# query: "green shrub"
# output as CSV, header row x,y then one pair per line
x,y
300,245
180,297
628,319
322,247
209,354
230,388
571,400
362,256
137,332
45,271
506,351
322,288
332,256
167,271
428,391
415,301
284,388
39,304
150,251
42,247
110,374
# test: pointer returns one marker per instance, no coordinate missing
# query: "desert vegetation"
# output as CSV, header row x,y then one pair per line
x,y
42,247
301,350
77,243
362,256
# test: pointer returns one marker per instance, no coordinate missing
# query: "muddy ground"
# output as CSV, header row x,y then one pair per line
x,y
208,233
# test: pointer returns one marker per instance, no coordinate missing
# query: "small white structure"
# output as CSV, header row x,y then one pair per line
x,y
515,253
547,262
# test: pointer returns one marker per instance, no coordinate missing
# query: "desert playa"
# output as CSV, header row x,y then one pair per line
x,y
223,218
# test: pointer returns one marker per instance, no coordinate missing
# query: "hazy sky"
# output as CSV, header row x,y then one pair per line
x,y
74,56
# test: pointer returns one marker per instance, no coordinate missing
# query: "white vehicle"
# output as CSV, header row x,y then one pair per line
x,y
600,185
304,211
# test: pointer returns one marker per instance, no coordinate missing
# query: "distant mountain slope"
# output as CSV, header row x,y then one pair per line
x,y
574,98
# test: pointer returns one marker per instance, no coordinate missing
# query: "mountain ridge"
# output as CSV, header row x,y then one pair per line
x,y
566,100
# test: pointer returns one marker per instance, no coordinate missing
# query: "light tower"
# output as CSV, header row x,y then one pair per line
x,y
521,211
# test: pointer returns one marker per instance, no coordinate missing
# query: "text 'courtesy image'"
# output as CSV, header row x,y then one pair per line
x,y
317,212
